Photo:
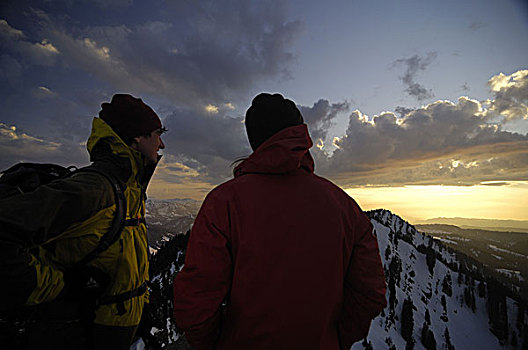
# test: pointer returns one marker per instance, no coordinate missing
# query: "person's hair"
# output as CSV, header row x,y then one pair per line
x,y
237,161
269,114
130,141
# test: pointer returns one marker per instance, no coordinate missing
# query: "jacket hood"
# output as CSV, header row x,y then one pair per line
x,y
104,144
284,152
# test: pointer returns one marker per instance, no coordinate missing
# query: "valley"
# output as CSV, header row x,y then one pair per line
x,y
504,254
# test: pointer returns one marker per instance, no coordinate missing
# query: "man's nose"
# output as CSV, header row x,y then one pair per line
x,y
162,145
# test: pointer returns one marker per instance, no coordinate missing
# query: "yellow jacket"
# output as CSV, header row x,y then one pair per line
x,y
61,222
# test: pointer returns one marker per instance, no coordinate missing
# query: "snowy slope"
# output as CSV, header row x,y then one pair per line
x,y
466,322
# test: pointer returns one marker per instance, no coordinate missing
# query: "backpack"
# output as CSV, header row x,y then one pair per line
x,y
27,177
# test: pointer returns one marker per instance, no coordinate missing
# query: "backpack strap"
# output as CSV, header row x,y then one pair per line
x,y
119,299
112,235
135,221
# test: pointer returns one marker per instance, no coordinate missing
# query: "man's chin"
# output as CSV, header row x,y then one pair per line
x,y
150,161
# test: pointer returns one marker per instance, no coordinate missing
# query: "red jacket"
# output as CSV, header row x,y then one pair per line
x,y
279,258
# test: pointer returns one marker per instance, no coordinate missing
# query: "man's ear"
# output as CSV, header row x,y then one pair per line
x,y
135,142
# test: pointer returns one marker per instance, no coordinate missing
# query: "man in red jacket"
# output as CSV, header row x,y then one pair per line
x,y
278,257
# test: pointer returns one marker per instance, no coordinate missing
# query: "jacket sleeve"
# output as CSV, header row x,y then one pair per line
x,y
202,285
364,287
30,220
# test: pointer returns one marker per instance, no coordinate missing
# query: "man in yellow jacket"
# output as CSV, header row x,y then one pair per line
x,y
44,233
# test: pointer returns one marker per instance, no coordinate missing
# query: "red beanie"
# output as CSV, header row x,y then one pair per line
x,y
129,117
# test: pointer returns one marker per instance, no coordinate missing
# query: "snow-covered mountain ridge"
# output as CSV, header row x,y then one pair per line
x,y
438,297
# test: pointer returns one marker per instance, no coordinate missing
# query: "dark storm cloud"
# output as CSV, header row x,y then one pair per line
x,y
9,33
10,70
403,111
193,54
413,65
61,59
321,116
109,4
17,146
17,46
205,143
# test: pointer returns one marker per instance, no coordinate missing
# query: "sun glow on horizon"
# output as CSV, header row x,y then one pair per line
x,y
497,200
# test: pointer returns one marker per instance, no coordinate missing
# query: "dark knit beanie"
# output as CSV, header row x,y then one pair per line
x,y
129,117
269,114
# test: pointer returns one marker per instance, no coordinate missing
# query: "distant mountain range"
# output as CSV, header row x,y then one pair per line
x,y
159,212
488,224
167,218
438,297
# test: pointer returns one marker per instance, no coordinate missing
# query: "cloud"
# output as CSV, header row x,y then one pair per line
x,y
205,143
45,45
14,41
103,53
196,63
510,95
10,70
9,33
10,133
413,65
164,187
443,142
17,146
402,111
90,55
107,4
495,183
474,26
177,169
321,116
472,167
183,55
193,54
43,92
211,109
201,146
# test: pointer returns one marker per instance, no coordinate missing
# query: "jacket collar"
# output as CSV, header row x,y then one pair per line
x,y
105,145
284,152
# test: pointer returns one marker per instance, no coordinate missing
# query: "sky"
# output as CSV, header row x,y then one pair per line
x,y
419,107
